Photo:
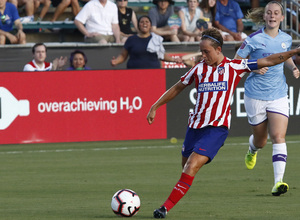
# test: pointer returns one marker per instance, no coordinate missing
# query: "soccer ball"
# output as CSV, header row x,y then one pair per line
x,y
125,203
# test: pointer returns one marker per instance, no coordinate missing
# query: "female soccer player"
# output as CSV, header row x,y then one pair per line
x,y
216,78
266,101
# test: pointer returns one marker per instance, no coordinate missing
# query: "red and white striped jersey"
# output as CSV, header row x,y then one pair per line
x,y
32,66
215,87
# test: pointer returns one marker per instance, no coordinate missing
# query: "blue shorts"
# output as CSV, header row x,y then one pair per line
x,y
205,141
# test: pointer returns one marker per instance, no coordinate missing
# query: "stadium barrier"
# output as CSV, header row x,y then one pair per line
x,y
105,103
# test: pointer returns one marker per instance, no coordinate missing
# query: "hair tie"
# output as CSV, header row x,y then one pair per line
x,y
212,38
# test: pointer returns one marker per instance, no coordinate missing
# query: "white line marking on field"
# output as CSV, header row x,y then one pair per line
x,y
117,148
87,149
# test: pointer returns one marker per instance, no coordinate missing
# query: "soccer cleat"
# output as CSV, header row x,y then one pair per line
x,y
160,213
250,160
280,188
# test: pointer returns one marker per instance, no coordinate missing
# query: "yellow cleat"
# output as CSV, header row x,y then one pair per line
x,y
250,160
280,188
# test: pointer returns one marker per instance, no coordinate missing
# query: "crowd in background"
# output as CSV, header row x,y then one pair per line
x,y
106,21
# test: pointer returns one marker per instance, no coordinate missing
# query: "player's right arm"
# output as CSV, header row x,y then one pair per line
x,y
165,98
260,71
277,58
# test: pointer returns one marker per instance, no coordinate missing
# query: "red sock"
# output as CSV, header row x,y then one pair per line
x,y
180,189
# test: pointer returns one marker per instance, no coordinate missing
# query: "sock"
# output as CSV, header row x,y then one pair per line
x,y
252,148
179,190
279,161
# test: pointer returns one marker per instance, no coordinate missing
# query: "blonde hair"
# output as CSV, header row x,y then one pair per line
x,y
257,14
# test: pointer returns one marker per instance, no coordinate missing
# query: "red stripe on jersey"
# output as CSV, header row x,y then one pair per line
x,y
215,88
32,64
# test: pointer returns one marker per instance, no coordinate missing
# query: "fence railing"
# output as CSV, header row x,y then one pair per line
x,y
290,23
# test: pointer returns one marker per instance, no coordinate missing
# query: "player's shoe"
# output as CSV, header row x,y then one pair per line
x,y
250,160
280,188
160,213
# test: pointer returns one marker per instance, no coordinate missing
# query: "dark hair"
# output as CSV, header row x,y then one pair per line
x,y
73,54
143,16
205,5
37,45
214,36
155,2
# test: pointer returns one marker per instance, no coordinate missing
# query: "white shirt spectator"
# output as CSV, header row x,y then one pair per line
x,y
98,18
32,66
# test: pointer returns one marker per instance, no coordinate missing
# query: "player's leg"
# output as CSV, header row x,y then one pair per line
x,y
183,161
257,118
200,146
277,127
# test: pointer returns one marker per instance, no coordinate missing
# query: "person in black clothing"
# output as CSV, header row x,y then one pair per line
x,y
126,17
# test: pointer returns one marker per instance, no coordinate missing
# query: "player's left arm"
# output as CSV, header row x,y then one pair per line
x,y
292,66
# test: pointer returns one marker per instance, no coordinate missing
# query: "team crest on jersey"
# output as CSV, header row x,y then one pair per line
x,y
283,45
221,70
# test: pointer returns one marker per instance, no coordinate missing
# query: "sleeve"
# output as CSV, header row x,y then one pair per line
x,y
252,64
128,43
238,11
152,16
115,19
217,16
28,67
245,49
15,13
82,16
188,78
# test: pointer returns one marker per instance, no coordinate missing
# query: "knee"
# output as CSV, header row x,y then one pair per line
x,y
47,3
276,139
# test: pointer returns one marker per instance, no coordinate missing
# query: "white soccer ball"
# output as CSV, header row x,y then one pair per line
x,y
125,203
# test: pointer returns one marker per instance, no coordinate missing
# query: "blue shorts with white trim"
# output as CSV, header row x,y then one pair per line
x,y
206,141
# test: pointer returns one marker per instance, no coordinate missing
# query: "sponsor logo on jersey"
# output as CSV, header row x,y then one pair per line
x,y
212,86
266,54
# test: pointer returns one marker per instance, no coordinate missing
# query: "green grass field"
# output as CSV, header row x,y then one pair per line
x,y
77,180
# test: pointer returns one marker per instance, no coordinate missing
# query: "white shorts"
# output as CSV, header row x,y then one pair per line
x,y
257,109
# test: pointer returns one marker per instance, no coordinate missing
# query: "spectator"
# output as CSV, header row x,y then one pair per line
x,y
145,50
159,16
29,9
46,6
293,10
61,6
208,8
229,20
39,51
78,61
98,22
9,18
189,16
126,16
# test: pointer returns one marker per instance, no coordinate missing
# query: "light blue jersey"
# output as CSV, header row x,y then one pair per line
x,y
272,85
